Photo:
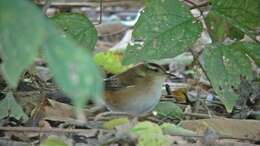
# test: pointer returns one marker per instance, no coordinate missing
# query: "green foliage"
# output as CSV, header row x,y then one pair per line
x,y
169,109
53,141
252,50
150,134
111,62
111,124
21,34
225,64
73,69
167,29
24,32
9,107
169,129
242,14
220,28
78,27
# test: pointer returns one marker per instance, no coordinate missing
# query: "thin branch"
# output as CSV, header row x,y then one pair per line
x,y
47,5
43,130
59,130
196,59
90,3
101,11
190,2
199,115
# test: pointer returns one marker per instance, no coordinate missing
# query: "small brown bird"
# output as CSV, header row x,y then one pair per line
x,y
136,91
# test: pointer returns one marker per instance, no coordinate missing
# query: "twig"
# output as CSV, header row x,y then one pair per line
x,y
43,130
47,4
253,38
101,11
91,3
59,130
190,2
196,58
205,4
199,115
220,137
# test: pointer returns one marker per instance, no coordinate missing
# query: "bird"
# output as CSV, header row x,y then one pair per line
x,y
137,90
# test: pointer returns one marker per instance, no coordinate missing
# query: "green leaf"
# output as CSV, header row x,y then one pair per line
x,y
73,69
169,129
252,50
9,107
225,64
53,141
111,124
78,27
111,62
243,14
169,109
220,28
167,29
150,134
22,31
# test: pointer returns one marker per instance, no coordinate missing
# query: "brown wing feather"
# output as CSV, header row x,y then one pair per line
x,y
124,79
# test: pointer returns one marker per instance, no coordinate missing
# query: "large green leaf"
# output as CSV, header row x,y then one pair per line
x,y
220,28
22,31
149,134
169,109
242,14
225,64
78,27
166,28
73,69
252,50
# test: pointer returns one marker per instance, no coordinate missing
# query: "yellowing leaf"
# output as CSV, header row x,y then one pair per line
x,y
110,62
150,134
169,129
53,142
115,122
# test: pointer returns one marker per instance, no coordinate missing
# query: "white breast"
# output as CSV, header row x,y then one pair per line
x,y
150,97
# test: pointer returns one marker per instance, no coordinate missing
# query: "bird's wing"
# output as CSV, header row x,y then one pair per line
x,y
124,79
114,83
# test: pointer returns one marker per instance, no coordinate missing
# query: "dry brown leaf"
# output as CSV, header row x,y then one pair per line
x,y
58,111
240,129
